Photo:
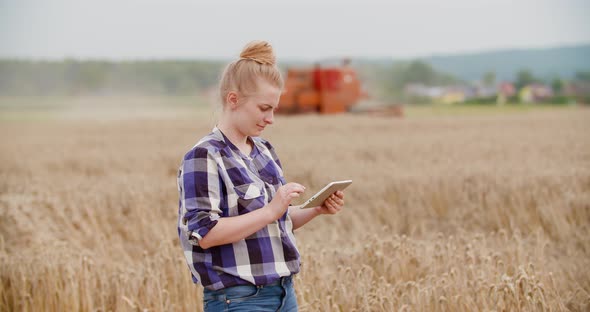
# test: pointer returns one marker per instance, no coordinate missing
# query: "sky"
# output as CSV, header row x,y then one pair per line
x,y
303,29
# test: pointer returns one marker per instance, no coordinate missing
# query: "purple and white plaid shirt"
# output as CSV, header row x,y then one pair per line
x,y
217,180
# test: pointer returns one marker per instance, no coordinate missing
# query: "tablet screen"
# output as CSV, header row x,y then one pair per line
x,y
319,198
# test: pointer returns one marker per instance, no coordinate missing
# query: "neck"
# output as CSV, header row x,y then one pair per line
x,y
232,133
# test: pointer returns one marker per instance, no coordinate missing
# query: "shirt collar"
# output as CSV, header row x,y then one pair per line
x,y
221,136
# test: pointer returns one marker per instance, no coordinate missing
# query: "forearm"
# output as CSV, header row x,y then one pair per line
x,y
232,229
299,217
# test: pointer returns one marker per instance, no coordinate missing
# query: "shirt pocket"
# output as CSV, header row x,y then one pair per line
x,y
271,174
250,197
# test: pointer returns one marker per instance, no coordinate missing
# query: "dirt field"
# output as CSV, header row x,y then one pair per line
x,y
485,211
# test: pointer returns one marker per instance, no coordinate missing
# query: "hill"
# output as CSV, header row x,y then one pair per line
x,y
544,63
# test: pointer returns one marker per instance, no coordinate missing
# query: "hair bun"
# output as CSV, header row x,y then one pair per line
x,y
260,52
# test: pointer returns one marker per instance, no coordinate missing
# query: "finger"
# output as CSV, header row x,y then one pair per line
x,y
300,189
296,185
329,207
337,201
336,198
331,201
340,194
335,204
336,207
293,187
297,188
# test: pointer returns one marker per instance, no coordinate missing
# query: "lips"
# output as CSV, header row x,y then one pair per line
x,y
260,127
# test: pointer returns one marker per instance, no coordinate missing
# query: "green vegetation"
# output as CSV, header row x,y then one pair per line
x,y
384,80
394,78
72,77
524,77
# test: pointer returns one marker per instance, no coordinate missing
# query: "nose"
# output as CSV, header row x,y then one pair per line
x,y
269,118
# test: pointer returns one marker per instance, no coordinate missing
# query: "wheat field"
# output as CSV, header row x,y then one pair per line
x,y
448,212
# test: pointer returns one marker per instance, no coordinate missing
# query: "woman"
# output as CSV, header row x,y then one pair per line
x,y
235,224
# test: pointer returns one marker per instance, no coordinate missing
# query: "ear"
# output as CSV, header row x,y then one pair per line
x,y
232,100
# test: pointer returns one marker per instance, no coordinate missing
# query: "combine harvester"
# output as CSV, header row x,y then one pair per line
x,y
328,90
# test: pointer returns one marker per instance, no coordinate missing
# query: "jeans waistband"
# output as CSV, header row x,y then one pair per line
x,y
221,294
281,281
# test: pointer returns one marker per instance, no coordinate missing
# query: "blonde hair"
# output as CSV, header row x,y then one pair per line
x,y
257,60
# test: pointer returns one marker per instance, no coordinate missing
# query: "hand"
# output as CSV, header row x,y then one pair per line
x,y
283,197
332,204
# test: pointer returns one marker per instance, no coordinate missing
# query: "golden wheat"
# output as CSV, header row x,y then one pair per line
x,y
448,213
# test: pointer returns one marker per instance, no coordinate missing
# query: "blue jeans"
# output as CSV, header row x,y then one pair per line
x,y
278,296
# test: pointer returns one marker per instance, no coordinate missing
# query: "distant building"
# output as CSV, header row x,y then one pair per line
x,y
452,97
506,89
421,90
535,92
484,91
440,94
577,89
457,94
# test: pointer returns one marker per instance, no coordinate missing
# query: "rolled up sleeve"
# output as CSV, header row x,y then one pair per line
x,y
200,190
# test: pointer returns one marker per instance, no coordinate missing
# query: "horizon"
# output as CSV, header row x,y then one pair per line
x,y
287,60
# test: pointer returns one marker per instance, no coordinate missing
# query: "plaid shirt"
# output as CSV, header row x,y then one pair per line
x,y
217,180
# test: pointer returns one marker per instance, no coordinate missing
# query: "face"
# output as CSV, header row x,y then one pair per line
x,y
253,113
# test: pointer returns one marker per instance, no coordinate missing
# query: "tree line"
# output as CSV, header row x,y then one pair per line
x,y
73,77
186,77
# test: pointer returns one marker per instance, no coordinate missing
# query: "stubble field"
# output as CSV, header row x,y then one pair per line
x,y
484,211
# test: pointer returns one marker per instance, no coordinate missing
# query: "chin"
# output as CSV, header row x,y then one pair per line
x,y
258,131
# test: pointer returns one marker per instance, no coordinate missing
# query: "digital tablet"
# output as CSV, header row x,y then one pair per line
x,y
323,194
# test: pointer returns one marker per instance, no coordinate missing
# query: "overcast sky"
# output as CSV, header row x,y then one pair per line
x,y
303,29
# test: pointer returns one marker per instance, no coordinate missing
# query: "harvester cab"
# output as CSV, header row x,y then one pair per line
x,y
324,89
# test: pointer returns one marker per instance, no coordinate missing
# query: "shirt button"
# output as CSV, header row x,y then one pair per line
x,y
227,301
